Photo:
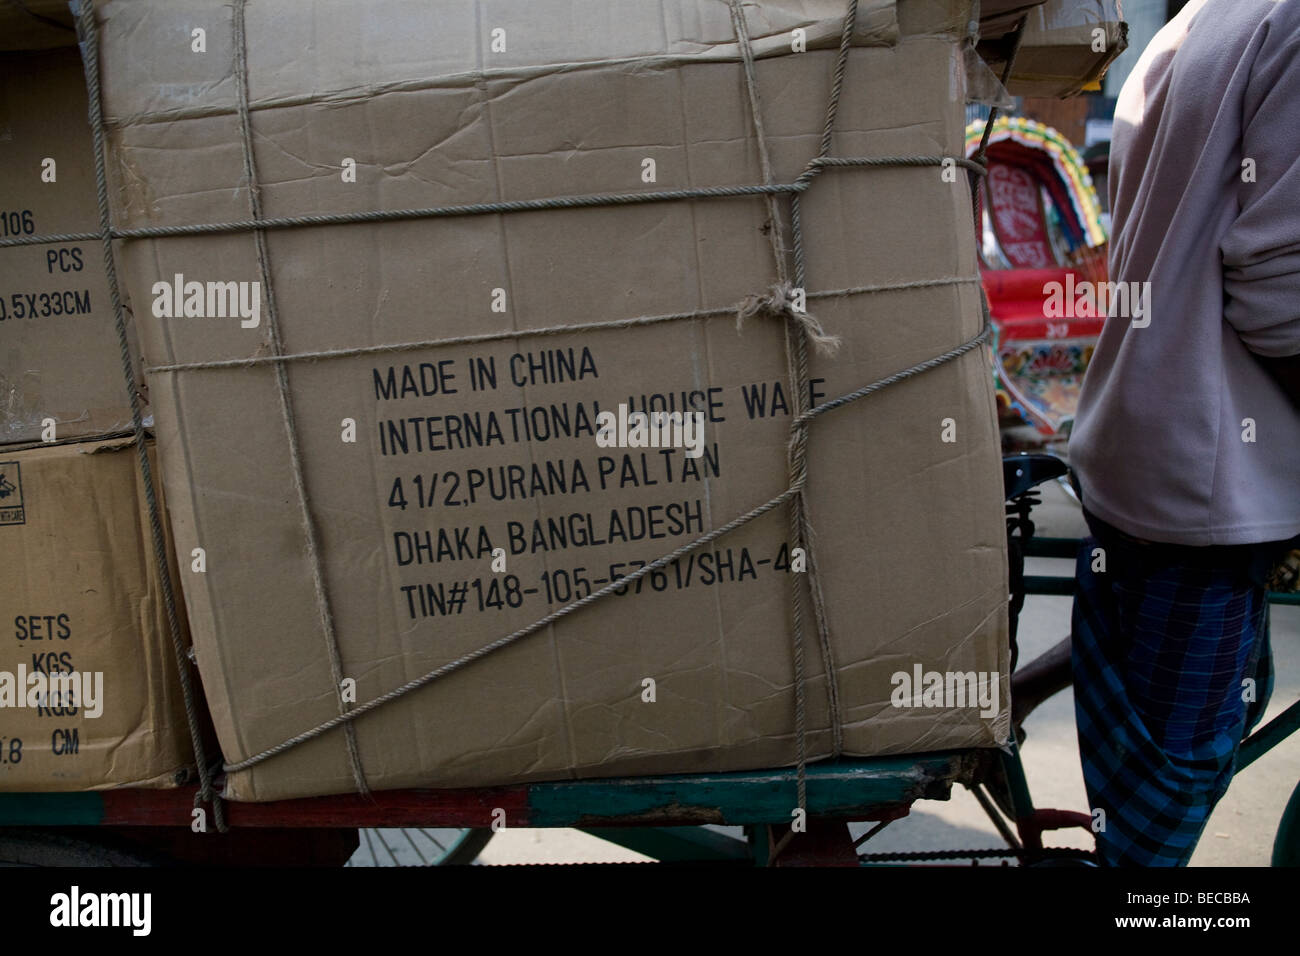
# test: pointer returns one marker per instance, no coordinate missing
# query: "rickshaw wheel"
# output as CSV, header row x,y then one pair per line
x,y
448,846
1286,846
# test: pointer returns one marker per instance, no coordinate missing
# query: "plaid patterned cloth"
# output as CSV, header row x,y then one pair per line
x,y
1163,640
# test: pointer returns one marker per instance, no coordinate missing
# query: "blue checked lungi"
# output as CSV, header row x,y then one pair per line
x,y
1163,640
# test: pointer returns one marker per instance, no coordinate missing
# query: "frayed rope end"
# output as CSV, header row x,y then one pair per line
x,y
779,301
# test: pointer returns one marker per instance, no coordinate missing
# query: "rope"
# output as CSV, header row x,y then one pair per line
x,y
760,136
800,328
636,321
830,162
431,212
1016,37
798,185
837,85
90,45
801,531
780,300
286,403
907,373
982,153
453,666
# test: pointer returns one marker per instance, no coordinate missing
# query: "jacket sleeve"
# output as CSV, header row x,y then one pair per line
x,y
1261,249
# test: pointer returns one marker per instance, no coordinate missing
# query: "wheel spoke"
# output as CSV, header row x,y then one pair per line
x,y
436,841
418,855
391,855
374,860
447,845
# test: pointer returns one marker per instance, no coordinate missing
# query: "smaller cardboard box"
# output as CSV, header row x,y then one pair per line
x,y
61,372
89,697
1066,49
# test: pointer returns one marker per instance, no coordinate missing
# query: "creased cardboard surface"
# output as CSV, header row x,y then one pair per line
x,y
909,538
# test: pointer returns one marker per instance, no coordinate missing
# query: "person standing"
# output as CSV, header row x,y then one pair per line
x,y
1186,445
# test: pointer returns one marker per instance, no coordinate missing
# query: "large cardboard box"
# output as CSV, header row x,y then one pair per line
x,y
60,363
462,450
81,602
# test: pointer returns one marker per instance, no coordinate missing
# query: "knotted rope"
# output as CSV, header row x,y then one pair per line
x,y
780,301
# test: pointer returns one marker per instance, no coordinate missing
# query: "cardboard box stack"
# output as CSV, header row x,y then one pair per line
x,y
458,493
89,697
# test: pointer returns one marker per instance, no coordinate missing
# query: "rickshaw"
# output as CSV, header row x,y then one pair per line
x,y
1042,232
671,818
